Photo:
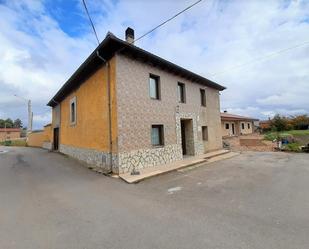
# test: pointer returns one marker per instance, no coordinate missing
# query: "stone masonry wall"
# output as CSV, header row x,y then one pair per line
x,y
137,112
93,157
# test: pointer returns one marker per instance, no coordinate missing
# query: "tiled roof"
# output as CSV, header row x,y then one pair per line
x,y
9,129
112,45
229,116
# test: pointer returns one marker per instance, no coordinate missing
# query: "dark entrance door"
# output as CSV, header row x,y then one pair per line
x,y
56,138
183,137
233,129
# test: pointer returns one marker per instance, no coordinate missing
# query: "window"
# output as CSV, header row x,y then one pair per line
x,y
181,93
203,97
205,133
157,136
73,111
227,126
248,125
154,87
242,126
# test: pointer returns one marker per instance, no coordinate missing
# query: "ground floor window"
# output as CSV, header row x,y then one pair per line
x,y
242,126
205,133
227,126
248,125
157,135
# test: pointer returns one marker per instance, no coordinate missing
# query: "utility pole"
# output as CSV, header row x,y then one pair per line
x,y
30,116
30,113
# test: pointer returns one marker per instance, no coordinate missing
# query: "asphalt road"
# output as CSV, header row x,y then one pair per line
x,y
255,200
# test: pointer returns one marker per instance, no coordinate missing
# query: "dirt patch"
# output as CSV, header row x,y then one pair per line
x,y
252,142
303,140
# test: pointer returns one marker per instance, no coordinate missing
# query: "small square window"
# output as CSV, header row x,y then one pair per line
x,y
203,97
157,135
181,93
242,126
227,126
154,87
205,133
73,111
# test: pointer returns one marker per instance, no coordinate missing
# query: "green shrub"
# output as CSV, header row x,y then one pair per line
x,y
295,147
270,136
14,143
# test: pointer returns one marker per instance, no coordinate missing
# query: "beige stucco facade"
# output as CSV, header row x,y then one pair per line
x,y
241,127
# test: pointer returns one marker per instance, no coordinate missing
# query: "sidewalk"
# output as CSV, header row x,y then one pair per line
x,y
190,162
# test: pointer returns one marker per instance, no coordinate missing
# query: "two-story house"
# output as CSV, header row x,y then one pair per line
x,y
125,108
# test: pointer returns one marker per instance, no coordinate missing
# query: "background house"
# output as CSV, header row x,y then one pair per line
x,y
235,125
9,134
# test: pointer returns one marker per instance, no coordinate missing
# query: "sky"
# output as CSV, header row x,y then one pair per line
x,y
258,49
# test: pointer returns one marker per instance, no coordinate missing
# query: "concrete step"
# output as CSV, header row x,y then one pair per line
x,y
187,163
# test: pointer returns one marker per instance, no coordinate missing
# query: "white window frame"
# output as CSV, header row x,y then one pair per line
x,y
73,101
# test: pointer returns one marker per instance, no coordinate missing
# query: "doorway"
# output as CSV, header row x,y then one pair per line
x,y
56,139
233,128
187,139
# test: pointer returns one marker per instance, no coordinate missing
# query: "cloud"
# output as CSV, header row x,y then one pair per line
x,y
40,49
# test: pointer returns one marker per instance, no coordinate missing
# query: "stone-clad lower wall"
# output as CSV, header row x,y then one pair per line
x,y
90,156
144,158
47,145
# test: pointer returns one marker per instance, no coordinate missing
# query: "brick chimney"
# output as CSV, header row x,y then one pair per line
x,y
130,35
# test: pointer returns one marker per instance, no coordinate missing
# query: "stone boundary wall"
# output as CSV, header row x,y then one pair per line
x,y
145,158
93,157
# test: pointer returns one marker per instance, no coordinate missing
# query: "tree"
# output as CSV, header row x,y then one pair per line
x,y
2,123
18,123
280,123
8,123
300,122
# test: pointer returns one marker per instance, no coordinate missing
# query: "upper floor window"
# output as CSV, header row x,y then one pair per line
x,y
154,87
205,133
203,97
73,111
242,126
157,135
181,93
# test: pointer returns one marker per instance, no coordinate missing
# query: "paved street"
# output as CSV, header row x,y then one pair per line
x,y
255,200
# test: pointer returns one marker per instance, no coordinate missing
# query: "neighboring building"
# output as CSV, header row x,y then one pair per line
x,y
133,110
41,138
9,134
264,124
235,125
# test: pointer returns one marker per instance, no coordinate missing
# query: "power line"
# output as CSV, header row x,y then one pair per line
x,y
174,16
92,25
150,31
261,58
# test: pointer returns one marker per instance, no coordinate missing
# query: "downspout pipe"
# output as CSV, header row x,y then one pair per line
x,y
109,110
